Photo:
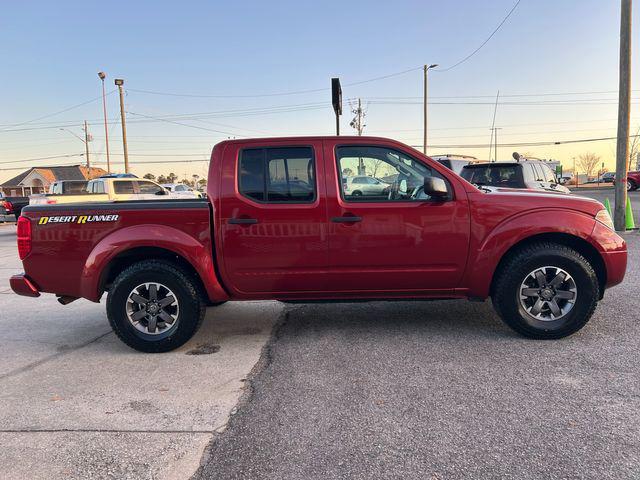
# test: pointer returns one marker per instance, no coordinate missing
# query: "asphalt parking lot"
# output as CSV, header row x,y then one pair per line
x,y
435,390
440,390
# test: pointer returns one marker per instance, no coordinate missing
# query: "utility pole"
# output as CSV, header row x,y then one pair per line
x,y
86,143
102,76
358,124
358,121
624,99
424,102
119,82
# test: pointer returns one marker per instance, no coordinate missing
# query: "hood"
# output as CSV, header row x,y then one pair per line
x,y
531,199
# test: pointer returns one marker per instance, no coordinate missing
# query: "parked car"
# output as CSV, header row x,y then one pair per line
x,y
633,181
182,189
454,163
544,259
108,188
365,186
607,177
11,207
530,174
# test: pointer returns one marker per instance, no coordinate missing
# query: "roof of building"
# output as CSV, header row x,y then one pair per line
x,y
54,173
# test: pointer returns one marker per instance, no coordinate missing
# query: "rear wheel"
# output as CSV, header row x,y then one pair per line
x,y
546,291
631,185
154,306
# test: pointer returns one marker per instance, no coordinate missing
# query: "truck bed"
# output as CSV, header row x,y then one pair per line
x,y
73,242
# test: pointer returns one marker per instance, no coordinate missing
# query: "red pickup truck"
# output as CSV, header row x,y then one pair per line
x,y
278,223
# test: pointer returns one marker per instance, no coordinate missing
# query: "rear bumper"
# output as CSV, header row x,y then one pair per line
x,y
22,285
7,217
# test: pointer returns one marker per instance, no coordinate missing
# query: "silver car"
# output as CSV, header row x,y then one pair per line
x,y
362,185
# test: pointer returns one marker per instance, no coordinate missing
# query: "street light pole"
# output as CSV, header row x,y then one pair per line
x,y
119,82
102,76
424,138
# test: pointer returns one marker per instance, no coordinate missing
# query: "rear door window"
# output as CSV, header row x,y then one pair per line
x,y
277,175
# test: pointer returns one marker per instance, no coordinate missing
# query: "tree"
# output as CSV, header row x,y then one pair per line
x,y
347,172
162,179
587,162
202,182
149,176
172,177
634,151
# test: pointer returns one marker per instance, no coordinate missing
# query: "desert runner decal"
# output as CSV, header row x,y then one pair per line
x,y
78,219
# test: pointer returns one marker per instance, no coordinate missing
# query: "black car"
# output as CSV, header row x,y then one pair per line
x,y
530,174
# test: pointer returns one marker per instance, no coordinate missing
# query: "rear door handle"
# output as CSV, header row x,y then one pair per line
x,y
243,221
346,219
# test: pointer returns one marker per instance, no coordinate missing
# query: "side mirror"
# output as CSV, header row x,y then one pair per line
x,y
436,187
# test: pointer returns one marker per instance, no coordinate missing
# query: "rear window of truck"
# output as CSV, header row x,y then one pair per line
x,y
277,175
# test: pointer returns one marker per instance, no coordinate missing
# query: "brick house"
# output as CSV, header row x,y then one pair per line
x,y
38,179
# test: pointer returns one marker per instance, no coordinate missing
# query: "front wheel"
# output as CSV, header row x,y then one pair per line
x,y
154,306
546,291
631,186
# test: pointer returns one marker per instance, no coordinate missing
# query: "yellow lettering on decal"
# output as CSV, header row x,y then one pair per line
x,y
82,219
43,220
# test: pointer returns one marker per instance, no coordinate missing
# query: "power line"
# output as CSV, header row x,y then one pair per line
x,y
43,158
54,113
483,43
276,94
530,144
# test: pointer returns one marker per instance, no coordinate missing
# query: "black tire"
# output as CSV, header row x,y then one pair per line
x,y
357,193
189,307
631,186
514,271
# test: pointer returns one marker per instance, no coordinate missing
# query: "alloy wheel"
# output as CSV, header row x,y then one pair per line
x,y
548,293
152,308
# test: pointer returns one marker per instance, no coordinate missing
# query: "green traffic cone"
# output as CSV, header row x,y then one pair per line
x,y
629,222
607,205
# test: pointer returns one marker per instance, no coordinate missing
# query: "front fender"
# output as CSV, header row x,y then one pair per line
x,y
515,230
198,254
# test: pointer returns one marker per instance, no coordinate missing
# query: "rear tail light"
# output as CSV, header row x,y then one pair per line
x,y
8,206
24,237
51,202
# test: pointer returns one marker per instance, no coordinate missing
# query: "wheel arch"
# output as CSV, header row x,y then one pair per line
x,y
578,244
142,242
129,257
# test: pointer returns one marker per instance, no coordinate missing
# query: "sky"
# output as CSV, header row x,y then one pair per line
x,y
236,69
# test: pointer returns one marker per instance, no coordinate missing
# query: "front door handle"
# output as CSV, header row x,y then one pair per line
x,y
243,221
346,219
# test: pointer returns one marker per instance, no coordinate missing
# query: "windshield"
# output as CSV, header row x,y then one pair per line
x,y
494,175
